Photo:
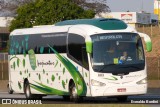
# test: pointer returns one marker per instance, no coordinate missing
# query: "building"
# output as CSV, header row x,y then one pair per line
x,y
5,21
131,18
157,8
4,32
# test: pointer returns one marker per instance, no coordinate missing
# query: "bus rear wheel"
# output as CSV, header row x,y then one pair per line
x,y
27,91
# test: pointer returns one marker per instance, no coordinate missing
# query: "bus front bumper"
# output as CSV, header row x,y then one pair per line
x,y
119,90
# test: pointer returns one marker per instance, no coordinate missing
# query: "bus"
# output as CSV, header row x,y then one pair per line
x,y
101,57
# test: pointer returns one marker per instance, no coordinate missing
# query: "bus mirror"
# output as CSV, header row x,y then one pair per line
x,y
89,47
147,40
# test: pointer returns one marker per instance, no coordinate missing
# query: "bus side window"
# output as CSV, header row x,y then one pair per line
x,y
75,44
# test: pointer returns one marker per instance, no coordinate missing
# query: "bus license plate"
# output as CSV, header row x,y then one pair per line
x,y
121,90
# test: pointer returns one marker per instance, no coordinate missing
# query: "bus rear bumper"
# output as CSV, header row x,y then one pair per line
x,y
119,90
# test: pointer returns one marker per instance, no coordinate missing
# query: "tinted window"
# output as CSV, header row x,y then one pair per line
x,y
85,58
76,46
117,53
40,43
3,41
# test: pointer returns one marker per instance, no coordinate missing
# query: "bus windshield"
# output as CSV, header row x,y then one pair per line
x,y
117,53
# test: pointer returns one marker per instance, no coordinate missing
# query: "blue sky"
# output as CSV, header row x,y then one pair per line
x,y
131,5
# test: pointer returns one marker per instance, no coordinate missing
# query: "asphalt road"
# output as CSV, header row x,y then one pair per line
x,y
153,96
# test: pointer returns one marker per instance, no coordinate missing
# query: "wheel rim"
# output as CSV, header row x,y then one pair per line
x,y
74,92
28,91
9,88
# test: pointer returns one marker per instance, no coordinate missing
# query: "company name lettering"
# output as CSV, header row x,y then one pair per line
x,y
44,63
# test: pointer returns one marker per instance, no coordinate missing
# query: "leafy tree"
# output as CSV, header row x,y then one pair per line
x,y
44,12
8,7
97,5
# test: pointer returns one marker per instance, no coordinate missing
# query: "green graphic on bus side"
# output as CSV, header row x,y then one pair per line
x,y
32,59
63,70
20,73
47,81
24,62
18,62
14,65
63,84
19,85
53,78
43,71
39,76
48,90
56,63
77,77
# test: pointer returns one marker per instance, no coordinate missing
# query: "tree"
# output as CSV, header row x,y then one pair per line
x,y
8,7
97,5
44,12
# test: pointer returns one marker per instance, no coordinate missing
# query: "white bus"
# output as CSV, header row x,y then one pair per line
x,y
78,58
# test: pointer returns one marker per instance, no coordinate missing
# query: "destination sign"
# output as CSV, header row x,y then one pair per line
x,y
111,37
120,36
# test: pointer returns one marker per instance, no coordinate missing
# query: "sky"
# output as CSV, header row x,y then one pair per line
x,y
131,5
120,6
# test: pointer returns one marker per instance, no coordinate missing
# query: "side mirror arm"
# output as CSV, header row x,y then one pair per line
x,y
89,45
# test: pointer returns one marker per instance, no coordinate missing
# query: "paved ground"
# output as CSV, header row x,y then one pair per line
x,y
152,95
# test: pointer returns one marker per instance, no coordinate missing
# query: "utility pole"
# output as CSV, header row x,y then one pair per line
x,y
158,13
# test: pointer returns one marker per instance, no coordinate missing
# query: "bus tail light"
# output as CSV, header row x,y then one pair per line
x,y
97,83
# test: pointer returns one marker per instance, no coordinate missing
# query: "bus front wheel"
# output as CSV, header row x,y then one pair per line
x,y
73,94
66,98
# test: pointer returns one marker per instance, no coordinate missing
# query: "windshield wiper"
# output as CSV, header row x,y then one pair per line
x,y
104,66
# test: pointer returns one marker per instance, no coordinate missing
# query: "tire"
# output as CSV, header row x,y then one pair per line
x,y
73,94
66,98
10,91
37,96
122,98
27,91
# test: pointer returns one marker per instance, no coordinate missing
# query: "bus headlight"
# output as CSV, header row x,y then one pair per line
x,y
97,83
143,81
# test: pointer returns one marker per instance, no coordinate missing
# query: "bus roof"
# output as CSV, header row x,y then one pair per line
x,y
39,30
90,26
102,23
